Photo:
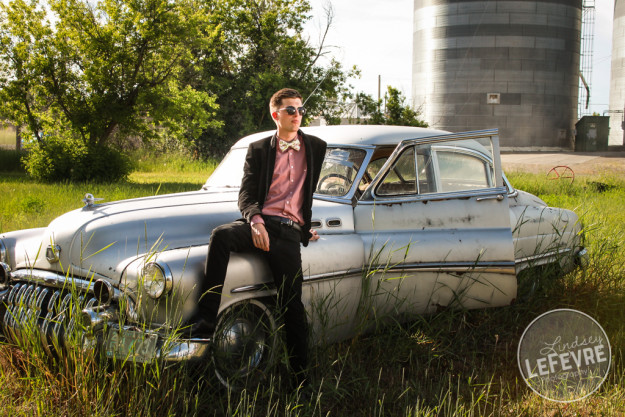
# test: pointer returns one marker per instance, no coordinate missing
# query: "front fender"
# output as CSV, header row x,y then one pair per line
x,y
22,247
248,276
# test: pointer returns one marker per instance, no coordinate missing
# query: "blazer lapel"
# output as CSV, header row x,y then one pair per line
x,y
271,164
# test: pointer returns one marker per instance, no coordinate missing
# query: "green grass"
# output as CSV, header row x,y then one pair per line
x,y
445,364
27,203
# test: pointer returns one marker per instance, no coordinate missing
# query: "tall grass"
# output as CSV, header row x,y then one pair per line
x,y
451,363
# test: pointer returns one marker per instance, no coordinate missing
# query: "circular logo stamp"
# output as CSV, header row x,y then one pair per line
x,y
564,355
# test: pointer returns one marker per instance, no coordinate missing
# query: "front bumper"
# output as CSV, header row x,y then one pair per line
x,y
133,343
64,314
582,258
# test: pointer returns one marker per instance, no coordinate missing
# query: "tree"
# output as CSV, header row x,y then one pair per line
x,y
262,50
396,112
95,73
80,75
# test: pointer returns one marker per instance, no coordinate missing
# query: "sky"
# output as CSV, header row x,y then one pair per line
x,y
377,35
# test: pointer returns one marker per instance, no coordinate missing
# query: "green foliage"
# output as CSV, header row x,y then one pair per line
x,y
395,112
68,159
102,72
193,72
260,51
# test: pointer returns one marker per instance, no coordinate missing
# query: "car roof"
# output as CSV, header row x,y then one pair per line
x,y
355,134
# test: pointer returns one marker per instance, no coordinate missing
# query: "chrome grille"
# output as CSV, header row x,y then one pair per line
x,y
48,313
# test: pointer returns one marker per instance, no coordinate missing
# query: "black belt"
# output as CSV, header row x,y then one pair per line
x,y
285,221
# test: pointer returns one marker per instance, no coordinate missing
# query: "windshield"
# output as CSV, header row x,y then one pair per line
x,y
339,169
229,173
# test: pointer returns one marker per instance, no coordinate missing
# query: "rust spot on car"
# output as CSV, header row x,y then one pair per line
x,y
468,219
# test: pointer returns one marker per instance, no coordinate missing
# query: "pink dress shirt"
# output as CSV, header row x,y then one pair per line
x,y
286,193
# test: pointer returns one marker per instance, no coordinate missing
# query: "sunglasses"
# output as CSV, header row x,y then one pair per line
x,y
290,110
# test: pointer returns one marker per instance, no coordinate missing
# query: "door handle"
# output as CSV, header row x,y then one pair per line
x,y
498,197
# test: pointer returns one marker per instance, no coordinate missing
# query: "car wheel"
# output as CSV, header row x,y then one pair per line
x,y
245,343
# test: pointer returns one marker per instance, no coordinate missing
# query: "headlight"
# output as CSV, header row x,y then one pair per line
x,y
157,279
3,252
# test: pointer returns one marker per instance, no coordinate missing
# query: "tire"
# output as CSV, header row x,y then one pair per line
x,y
246,344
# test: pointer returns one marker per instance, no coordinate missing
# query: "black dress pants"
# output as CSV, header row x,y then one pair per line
x,y
285,261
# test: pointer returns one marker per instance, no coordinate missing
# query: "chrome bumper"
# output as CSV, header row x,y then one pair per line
x,y
582,258
134,344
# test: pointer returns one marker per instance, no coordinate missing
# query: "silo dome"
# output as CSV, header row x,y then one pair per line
x,y
512,65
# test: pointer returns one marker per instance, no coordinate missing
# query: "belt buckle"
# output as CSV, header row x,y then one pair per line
x,y
287,221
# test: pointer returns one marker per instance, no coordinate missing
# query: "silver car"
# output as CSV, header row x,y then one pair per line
x,y
410,220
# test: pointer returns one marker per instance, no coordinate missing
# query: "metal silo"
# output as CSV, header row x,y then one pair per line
x,y
513,65
617,77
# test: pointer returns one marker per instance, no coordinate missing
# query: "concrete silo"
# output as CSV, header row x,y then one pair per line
x,y
617,77
513,65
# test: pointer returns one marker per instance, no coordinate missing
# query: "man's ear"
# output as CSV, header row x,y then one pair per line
x,y
274,115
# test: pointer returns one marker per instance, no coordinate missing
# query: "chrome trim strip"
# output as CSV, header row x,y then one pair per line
x,y
52,279
503,267
543,255
436,196
3,252
252,288
332,274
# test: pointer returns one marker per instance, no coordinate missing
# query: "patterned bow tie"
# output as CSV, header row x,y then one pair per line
x,y
284,145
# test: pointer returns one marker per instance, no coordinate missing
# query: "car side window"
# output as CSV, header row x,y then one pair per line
x,y
439,167
460,171
401,178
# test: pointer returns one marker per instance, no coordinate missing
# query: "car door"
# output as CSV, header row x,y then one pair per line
x,y
436,227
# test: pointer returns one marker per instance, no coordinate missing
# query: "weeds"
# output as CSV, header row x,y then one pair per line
x,y
451,362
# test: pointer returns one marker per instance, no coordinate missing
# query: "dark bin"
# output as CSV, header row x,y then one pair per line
x,y
592,133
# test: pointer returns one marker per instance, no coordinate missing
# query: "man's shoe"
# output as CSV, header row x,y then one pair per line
x,y
200,329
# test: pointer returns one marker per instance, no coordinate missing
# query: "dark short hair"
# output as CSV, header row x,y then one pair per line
x,y
276,99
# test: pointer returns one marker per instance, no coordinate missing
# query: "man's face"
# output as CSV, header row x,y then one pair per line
x,y
288,123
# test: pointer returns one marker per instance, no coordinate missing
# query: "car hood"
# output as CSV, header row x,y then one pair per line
x,y
100,239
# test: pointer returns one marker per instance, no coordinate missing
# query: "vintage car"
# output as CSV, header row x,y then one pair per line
x,y
410,220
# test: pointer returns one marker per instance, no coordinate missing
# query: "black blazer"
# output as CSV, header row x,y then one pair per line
x,y
258,171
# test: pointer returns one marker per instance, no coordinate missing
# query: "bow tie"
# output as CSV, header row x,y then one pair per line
x,y
284,145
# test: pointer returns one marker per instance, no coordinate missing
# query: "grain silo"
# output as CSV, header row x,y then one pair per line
x,y
617,76
513,65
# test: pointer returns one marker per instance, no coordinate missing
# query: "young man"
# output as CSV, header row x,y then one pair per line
x,y
280,176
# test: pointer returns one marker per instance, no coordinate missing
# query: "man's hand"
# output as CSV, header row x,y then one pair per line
x,y
314,236
260,237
